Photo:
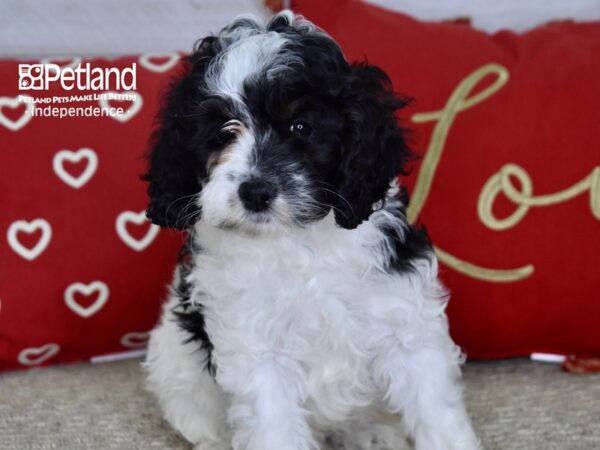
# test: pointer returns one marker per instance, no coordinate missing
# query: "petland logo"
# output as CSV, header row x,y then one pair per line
x,y
38,77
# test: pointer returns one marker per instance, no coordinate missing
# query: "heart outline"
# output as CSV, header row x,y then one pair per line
x,y
86,311
29,227
45,352
135,339
145,61
137,218
135,107
13,102
75,156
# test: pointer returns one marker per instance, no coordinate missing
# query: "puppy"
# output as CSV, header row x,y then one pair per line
x,y
306,310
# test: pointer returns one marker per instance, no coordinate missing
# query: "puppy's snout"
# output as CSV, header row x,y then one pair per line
x,y
257,194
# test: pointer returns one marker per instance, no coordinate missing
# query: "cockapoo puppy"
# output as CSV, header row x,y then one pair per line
x,y
305,311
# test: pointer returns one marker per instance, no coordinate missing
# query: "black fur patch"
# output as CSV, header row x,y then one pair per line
x,y
189,317
415,244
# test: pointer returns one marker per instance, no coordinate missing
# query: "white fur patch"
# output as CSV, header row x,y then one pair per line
x,y
240,61
248,52
219,197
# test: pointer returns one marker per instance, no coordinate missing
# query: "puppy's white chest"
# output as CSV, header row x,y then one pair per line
x,y
304,302
304,276
301,292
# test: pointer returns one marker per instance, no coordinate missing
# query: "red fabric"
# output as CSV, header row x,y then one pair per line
x,y
39,319
545,119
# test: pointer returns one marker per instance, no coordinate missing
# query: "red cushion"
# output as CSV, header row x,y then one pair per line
x,y
80,275
542,122
543,119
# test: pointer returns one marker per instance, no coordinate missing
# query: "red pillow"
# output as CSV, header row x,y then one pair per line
x,y
509,186
87,279
82,272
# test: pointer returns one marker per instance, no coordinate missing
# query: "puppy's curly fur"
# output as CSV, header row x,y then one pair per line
x,y
305,310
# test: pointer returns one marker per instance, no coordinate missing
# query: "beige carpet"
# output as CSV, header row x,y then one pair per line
x,y
514,405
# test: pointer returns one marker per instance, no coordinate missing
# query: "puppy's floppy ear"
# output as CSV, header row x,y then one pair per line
x,y
175,172
375,149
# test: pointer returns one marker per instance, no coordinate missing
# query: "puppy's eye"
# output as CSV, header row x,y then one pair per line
x,y
230,129
300,128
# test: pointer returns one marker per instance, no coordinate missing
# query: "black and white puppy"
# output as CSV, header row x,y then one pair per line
x,y
305,309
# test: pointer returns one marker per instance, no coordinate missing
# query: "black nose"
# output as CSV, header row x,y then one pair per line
x,y
256,194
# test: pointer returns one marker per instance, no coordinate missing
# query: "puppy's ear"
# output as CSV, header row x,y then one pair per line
x,y
175,172
375,149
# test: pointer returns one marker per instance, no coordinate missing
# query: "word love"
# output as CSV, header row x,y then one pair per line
x,y
524,199
460,100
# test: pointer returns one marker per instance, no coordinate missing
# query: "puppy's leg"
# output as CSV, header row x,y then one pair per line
x,y
191,400
266,411
423,385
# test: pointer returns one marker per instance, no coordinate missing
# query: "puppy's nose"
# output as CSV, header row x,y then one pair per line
x,y
256,194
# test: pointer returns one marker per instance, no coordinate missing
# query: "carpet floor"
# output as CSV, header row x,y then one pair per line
x,y
514,404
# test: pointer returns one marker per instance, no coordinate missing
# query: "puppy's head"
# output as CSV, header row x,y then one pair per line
x,y
271,127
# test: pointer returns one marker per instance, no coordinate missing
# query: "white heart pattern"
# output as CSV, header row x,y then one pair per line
x,y
13,102
37,355
136,105
135,340
86,289
71,63
29,227
138,218
171,61
75,156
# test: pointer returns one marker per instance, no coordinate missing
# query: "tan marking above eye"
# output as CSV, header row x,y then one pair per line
x,y
217,158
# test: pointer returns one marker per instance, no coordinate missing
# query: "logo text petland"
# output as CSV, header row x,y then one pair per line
x,y
40,77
